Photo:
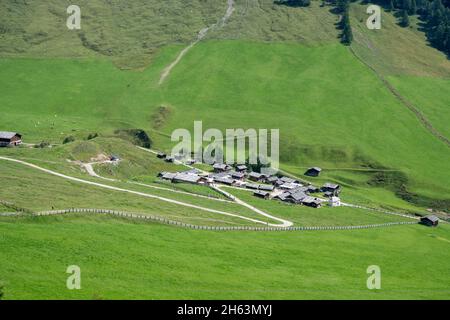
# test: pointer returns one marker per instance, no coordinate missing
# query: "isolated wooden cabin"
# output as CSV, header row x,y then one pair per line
x,y
10,139
430,221
313,172
333,188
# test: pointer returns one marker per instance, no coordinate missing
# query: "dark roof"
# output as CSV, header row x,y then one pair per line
x,y
262,193
272,179
186,177
266,187
309,199
288,180
221,166
315,169
238,175
255,175
432,218
8,135
298,189
219,175
192,171
312,188
283,196
168,175
290,185
298,196
331,185
224,180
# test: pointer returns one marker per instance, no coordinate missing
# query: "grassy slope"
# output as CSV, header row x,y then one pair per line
x,y
326,216
319,111
420,75
393,50
432,95
129,33
31,189
171,263
250,78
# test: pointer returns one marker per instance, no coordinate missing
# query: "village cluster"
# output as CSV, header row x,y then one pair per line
x,y
264,186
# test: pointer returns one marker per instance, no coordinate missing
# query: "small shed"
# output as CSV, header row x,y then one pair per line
x,y
10,139
224,180
430,221
288,180
313,172
238,175
266,187
261,194
221,167
241,167
255,176
297,197
169,159
312,189
312,202
252,186
335,189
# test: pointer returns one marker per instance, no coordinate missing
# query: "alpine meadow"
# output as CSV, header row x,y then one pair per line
x,y
91,97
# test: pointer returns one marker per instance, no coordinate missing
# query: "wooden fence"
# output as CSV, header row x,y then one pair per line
x,y
162,220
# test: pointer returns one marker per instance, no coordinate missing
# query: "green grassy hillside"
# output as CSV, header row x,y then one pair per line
x,y
161,262
332,110
270,66
129,33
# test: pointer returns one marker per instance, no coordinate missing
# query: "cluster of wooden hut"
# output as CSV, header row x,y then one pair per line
x,y
264,186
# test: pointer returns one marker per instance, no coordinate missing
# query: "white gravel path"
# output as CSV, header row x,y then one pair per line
x,y
140,193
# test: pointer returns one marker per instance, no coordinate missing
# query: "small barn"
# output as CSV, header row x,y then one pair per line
x,y
221,167
430,221
288,180
312,202
255,176
261,194
252,186
272,179
313,172
10,139
238,175
224,180
335,189
297,197
241,167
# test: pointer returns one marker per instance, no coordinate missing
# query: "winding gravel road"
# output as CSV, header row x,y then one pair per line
x,y
284,224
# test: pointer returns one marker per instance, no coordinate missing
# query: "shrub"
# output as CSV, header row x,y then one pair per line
x,y
42,144
136,136
92,136
68,139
